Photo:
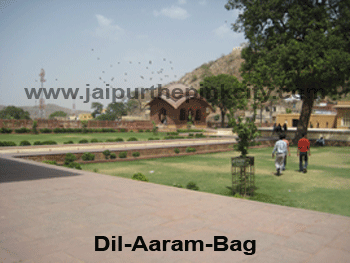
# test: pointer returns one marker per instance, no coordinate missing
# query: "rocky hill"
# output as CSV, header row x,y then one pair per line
x,y
50,108
226,64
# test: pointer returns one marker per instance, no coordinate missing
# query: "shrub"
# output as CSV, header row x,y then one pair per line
x,y
49,142
22,130
192,185
123,154
45,130
34,127
131,131
107,130
106,153
119,140
94,140
176,150
173,137
95,170
59,130
153,139
69,158
190,149
155,128
7,143
78,130
5,130
69,142
73,165
177,185
139,177
122,130
83,141
172,133
113,156
140,130
132,139
147,130
189,130
88,156
109,140
200,135
50,162
136,154
24,143
190,135
37,143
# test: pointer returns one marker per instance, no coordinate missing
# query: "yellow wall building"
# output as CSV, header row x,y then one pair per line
x,y
340,120
316,120
85,116
343,114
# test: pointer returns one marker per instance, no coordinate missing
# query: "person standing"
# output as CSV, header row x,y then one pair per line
x,y
285,127
302,152
281,150
285,157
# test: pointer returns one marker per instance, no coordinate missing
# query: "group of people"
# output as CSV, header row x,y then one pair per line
x,y
278,129
281,150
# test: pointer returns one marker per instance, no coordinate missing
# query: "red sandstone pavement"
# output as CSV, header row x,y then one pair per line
x,y
53,214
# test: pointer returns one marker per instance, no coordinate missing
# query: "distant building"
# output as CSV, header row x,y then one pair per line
x,y
343,114
174,106
85,117
325,115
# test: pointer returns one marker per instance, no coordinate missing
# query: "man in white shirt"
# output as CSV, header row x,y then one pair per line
x,y
281,150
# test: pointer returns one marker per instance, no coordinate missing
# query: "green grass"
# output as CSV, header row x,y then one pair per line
x,y
325,187
60,138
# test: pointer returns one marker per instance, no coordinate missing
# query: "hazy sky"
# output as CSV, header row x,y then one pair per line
x,y
79,42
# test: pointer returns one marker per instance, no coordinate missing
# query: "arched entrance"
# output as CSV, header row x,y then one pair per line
x,y
163,116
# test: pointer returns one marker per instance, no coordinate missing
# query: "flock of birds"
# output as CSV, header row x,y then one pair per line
x,y
151,74
148,67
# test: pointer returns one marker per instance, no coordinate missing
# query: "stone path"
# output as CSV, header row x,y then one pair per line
x,y
120,145
53,215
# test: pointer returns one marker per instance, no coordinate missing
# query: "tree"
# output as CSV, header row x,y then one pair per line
x,y
223,91
131,106
297,46
98,107
115,110
57,114
12,112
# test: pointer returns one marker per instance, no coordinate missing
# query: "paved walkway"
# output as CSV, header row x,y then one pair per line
x,y
52,214
116,145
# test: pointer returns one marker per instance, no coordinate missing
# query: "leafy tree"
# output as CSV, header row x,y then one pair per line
x,y
223,91
132,106
57,114
12,112
296,46
115,110
98,107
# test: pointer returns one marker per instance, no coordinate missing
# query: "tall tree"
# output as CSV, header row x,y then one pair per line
x,y
97,107
223,91
12,112
297,46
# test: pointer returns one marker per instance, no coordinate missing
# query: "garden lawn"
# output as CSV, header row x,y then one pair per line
x,y
60,138
325,187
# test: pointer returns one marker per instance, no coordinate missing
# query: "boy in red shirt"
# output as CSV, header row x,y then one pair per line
x,y
303,148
